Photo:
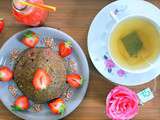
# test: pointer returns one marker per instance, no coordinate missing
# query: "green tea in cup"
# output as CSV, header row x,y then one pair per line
x,y
135,43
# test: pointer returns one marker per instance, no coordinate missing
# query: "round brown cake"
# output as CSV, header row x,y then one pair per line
x,y
40,58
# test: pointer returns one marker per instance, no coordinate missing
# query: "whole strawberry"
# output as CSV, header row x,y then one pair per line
x,y
1,24
5,74
21,104
74,80
30,39
65,48
57,106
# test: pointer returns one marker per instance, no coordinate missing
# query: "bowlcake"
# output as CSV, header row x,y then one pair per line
x,y
32,59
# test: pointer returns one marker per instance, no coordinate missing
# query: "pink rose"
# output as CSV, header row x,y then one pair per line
x,y
121,104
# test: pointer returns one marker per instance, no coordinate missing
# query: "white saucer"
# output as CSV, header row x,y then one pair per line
x,y
97,41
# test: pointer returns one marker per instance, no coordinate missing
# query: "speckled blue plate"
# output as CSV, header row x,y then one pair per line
x,y
77,63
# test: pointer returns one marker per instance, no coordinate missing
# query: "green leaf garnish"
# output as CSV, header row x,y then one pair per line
x,y
68,43
29,34
62,109
15,108
81,81
1,75
1,18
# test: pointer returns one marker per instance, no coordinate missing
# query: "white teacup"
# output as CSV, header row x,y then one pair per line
x,y
155,63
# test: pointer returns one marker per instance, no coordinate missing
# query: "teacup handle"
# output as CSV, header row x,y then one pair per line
x,y
114,16
114,13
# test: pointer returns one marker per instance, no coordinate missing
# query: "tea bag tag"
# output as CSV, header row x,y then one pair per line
x,y
145,95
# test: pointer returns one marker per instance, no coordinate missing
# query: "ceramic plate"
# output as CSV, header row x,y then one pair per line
x,y
98,36
77,63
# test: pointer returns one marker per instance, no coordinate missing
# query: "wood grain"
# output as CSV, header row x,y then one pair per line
x,y
74,17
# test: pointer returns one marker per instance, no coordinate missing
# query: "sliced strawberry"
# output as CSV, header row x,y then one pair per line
x,y
41,80
65,48
30,39
5,74
1,24
21,103
74,80
57,106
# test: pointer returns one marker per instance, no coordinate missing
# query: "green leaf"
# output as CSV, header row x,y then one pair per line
x,y
15,108
1,75
1,18
81,81
29,34
62,109
68,43
69,70
47,69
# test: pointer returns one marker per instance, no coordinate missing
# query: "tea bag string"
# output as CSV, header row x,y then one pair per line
x,y
154,85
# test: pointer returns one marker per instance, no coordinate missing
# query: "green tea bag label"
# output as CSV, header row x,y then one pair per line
x,y
145,95
132,43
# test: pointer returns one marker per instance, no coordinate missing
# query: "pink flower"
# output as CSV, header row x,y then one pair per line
x,y
121,73
121,104
109,64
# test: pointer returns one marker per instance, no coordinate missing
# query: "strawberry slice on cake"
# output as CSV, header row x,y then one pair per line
x,y
41,79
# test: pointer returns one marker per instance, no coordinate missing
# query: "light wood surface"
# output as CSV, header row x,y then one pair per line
x,y
74,17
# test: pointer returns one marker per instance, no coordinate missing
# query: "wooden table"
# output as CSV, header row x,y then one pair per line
x,y
74,17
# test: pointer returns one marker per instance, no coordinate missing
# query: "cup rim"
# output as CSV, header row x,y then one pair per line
x,y
109,39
